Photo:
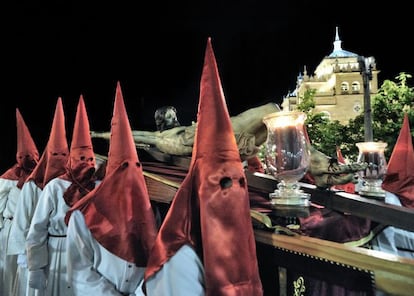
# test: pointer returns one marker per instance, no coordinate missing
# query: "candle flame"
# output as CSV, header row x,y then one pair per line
x,y
285,119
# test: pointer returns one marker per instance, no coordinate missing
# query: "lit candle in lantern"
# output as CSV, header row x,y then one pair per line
x,y
287,156
372,153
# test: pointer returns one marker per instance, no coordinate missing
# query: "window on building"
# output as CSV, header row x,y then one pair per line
x,y
344,87
356,87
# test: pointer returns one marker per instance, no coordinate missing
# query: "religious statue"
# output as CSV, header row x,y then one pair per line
x,y
250,133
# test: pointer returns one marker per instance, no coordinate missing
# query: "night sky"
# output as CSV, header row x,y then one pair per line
x,y
156,51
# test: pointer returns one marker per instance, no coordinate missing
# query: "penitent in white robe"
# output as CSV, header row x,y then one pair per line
x,y
46,239
9,196
93,270
17,242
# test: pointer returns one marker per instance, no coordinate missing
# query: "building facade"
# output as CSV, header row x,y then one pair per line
x,y
339,84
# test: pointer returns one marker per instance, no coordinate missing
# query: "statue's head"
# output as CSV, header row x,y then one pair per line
x,y
166,118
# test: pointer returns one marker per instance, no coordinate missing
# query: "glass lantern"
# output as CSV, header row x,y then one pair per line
x,y
287,156
372,153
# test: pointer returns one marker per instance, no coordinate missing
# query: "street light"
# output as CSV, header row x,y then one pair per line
x,y
365,66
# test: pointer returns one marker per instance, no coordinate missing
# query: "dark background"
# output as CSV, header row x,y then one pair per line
x,y
156,50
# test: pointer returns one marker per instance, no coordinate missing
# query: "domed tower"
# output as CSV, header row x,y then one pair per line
x,y
338,83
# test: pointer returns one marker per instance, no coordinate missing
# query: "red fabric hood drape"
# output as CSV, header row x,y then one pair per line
x,y
55,156
26,151
348,187
118,212
210,210
400,171
80,167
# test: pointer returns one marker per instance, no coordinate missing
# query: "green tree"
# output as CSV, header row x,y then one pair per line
x,y
325,134
388,106
307,101
353,134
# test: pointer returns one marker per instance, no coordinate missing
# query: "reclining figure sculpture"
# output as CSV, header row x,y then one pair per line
x,y
250,133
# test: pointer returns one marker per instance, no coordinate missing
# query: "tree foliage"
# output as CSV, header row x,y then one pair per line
x,y
394,98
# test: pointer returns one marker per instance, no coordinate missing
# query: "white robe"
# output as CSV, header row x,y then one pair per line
x,y
392,239
23,216
182,275
93,270
9,196
46,239
21,223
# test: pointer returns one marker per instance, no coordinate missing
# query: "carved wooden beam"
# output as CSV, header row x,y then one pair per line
x,y
354,204
391,274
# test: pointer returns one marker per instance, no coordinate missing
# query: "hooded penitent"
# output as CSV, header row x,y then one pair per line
x,y
27,155
211,210
56,154
118,212
80,167
400,171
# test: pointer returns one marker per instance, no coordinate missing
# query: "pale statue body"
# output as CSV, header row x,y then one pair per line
x,y
250,133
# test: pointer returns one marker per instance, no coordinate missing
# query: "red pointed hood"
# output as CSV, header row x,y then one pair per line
x,y
56,154
211,209
119,209
217,127
348,187
339,156
80,168
122,146
25,143
81,138
27,155
400,171
254,164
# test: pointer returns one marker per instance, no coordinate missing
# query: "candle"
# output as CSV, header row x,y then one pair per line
x,y
287,156
289,152
286,145
372,153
